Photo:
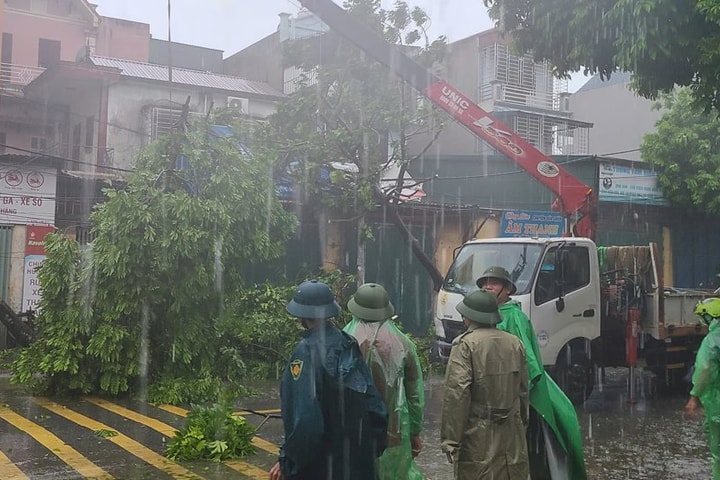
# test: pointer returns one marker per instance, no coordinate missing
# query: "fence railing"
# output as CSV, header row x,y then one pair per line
x,y
13,75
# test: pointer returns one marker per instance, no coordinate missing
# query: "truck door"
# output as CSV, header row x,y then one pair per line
x,y
563,304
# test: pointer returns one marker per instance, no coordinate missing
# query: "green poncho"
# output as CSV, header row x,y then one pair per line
x,y
546,397
706,377
396,372
706,387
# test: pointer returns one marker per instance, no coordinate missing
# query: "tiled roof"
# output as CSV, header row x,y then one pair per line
x,y
183,76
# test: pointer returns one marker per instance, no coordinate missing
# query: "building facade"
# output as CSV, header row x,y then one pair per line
x,y
517,91
79,99
116,107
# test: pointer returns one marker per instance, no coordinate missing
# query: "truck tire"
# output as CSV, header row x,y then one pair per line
x,y
574,374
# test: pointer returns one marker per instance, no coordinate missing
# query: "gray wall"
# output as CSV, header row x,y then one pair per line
x,y
192,57
261,61
460,68
620,117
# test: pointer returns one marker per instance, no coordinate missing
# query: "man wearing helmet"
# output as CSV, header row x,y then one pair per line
x,y
554,439
706,379
397,374
334,419
485,405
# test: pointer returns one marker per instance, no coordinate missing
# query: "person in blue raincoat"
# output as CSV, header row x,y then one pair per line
x,y
334,419
555,446
397,374
706,379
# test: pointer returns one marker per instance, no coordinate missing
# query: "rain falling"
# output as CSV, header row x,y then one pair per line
x,y
361,239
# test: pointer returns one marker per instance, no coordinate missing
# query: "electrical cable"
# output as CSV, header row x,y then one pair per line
x,y
57,157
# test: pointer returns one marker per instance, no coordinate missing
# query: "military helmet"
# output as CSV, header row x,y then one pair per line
x,y
708,309
371,303
481,307
501,274
313,299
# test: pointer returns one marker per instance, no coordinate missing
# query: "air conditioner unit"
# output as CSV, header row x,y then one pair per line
x,y
498,92
565,104
238,103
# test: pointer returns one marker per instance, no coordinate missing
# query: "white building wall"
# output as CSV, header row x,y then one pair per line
x,y
129,110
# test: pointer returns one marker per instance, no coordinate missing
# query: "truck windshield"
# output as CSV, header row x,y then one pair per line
x,y
520,259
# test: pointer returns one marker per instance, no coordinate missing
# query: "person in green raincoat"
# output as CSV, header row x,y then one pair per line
x,y
396,372
555,446
706,380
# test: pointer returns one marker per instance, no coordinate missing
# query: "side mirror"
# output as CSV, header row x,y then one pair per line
x,y
560,304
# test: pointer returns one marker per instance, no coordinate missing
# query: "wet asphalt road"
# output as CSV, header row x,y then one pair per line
x,y
642,440
645,439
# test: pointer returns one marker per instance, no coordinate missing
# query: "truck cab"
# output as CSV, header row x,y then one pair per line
x,y
558,287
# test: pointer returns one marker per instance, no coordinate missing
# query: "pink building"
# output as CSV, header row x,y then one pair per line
x,y
79,99
37,34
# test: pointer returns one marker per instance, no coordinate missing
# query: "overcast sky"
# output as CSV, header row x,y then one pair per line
x,y
231,25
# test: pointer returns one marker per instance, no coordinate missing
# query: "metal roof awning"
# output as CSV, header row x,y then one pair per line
x,y
85,175
184,76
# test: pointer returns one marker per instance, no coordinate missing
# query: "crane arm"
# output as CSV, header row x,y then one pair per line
x,y
575,200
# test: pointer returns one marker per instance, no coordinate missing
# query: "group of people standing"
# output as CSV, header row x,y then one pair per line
x,y
503,416
353,399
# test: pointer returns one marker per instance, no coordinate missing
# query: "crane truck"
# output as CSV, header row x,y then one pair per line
x,y
590,306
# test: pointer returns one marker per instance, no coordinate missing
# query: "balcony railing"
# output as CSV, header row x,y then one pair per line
x,y
520,96
17,76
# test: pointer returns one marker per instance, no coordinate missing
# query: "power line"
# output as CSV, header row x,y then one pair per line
x,y
622,151
512,172
56,157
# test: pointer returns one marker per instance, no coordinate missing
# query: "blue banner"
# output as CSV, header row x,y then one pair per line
x,y
528,223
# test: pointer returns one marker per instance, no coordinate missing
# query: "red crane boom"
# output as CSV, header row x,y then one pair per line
x,y
574,199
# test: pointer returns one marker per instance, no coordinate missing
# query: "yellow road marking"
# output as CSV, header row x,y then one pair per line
x,y
169,431
180,412
47,439
247,469
8,470
263,444
258,442
124,442
156,425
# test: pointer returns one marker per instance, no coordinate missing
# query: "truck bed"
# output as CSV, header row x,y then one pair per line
x,y
673,313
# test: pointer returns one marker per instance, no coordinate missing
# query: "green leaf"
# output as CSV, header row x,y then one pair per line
x,y
105,433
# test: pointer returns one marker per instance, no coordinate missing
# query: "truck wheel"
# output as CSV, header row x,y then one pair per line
x,y
574,374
